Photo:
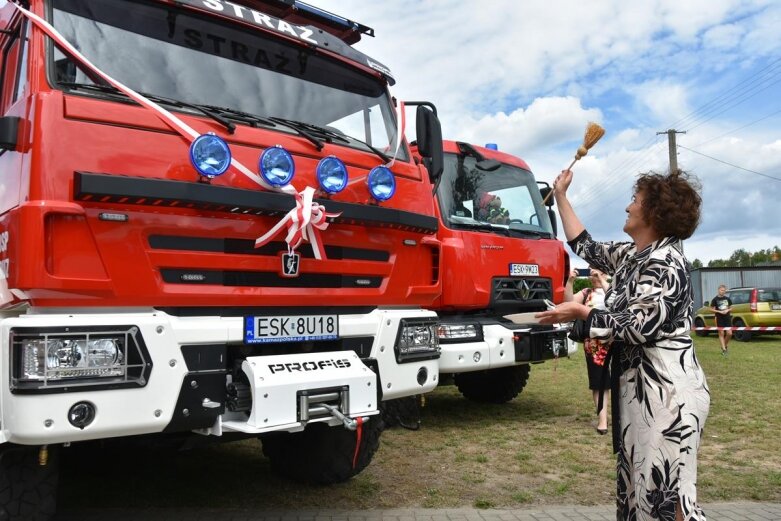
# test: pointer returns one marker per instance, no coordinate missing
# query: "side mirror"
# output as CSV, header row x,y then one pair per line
x,y
553,223
9,132
429,138
544,191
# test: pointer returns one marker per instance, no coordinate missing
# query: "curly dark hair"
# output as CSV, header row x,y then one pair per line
x,y
671,202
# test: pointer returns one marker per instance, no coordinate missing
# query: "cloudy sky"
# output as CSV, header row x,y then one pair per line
x,y
528,75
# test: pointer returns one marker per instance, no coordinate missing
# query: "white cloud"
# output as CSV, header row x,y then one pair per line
x,y
666,101
723,36
528,75
545,122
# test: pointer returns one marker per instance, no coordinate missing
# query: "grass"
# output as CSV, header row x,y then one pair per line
x,y
541,448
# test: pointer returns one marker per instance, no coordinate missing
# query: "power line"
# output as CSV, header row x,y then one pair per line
x,y
730,164
739,128
743,88
759,81
598,190
738,101
709,106
622,166
749,87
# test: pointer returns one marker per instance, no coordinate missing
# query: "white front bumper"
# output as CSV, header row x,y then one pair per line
x,y
497,349
42,418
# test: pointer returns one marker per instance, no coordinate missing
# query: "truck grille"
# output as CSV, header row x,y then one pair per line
x,y
247,247
509,291
201,254
263,279
266,279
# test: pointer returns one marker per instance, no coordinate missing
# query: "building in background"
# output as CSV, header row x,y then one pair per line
x,y
706,281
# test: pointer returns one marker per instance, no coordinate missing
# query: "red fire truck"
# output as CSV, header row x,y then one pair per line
x,y
500,256
210,225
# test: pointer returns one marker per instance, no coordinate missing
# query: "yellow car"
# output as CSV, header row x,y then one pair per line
x,y
753,307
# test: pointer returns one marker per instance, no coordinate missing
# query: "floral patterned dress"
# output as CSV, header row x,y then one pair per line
x,y
659,389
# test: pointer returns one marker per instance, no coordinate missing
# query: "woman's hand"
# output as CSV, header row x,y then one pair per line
x,y
603,282
561,183
565,312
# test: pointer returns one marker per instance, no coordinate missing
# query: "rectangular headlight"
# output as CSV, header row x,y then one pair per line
x,y
61,358
51,359
417,340
452,333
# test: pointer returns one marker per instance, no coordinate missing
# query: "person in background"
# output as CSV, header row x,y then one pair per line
x,y
660,397
594,349
490,209
722,306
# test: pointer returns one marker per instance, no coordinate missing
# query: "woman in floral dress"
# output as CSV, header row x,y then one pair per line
x,y
660,396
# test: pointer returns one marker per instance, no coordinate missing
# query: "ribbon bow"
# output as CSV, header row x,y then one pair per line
x,y
304,223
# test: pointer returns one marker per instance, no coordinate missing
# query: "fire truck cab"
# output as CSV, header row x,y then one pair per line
x,y
210,224
500,257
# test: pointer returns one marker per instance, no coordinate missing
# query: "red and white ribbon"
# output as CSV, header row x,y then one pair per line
x,y
402,119
312,215
745,328
304,223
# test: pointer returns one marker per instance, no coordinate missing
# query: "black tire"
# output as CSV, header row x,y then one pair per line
x,y
741,336
322,454
402,412
493,385
698,322
28,491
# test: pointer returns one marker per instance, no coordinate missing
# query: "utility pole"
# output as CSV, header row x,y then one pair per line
x,y
673,147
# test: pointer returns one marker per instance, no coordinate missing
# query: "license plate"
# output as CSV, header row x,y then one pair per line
x,y
775,307
518,270
290,328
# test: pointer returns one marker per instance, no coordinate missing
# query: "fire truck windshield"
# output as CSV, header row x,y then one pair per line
x,y
200,59
505,200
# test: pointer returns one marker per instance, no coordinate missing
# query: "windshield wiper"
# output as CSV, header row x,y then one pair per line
x,y
91,86
329,134
532,233
239,115
220,115
344,138
230,127
377,152
488,227
301,129
108,89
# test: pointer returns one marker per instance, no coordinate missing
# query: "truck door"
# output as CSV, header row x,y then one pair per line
x,y
14,42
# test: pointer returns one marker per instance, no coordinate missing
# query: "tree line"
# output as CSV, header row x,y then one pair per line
x,y
739,259
743,259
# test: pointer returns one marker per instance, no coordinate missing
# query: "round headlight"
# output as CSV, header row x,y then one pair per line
x,y
382,184
276,166
103,353
65,354
210,155
332,174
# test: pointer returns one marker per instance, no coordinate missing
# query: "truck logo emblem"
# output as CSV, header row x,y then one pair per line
x,y
290,262
524,290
